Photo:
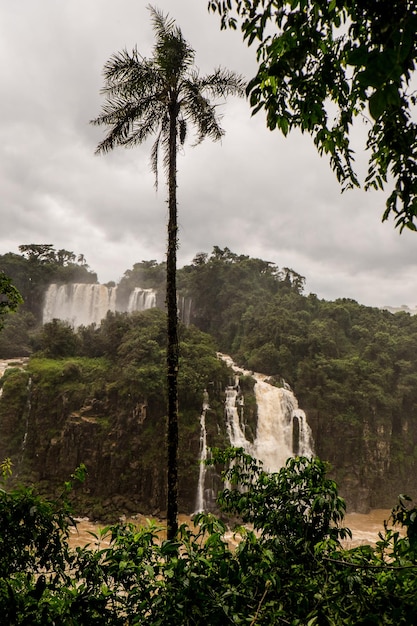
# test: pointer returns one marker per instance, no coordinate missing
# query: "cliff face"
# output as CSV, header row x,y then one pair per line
x,y
56,415
373,456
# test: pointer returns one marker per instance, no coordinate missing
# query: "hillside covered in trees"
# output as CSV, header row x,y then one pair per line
x,y
353,369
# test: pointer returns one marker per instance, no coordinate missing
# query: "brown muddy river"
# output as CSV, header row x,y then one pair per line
x,y
364,527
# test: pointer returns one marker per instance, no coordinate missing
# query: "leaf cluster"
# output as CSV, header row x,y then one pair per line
x,y
321,64
10,298
288,570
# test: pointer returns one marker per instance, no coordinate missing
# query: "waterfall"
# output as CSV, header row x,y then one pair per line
x,y
78,303
204,496
184,309
305,441
282,429
234,421
141,300
82,304
200,504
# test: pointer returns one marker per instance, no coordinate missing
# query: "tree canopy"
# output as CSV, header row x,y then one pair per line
x,y
10,298
323,63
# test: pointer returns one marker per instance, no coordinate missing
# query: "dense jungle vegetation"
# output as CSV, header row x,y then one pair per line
x,y
353,368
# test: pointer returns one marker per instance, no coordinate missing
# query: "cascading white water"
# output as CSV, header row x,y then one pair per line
x,y
234,422
305,436
184,309
282,428
84,304
278,413
204,495
141,300
78,303
200,504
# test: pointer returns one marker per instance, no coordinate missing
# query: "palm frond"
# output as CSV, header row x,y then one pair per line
x,y
162,139
221,82
128,78
182,130
140,92
163,26
121,64
155,157
130,123
203,115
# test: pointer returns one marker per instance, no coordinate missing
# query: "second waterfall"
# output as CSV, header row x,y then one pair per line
x,y
282,430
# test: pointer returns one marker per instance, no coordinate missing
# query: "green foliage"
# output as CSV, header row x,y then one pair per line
x,y
57,340
225,287
357,57
293,570
15,336
296,504
6,469
10,298
146,274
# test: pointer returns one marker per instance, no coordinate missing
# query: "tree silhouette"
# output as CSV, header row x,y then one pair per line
x,y
161,96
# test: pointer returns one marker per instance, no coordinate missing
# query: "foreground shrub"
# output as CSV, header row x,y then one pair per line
x,y
284,562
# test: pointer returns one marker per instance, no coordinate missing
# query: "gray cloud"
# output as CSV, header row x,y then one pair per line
x,y
256,192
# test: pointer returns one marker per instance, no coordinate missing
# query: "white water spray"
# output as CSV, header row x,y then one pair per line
x,y
200,504
84,304
282,428
141,300
234,419
78,303
279,420
203,494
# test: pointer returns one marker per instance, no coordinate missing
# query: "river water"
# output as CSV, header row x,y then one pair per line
x,y
364,527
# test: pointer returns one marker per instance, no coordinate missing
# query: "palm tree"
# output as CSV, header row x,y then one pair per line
x,y
161,96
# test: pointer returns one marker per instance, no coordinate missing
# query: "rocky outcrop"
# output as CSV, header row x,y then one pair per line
x,y
372,458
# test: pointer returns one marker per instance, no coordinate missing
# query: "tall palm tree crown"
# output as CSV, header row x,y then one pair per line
x,y
143,94
161,97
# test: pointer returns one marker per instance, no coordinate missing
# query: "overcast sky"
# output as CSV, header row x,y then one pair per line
x,y
255,192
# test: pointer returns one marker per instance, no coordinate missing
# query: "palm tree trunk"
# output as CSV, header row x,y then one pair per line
x,y
172,327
